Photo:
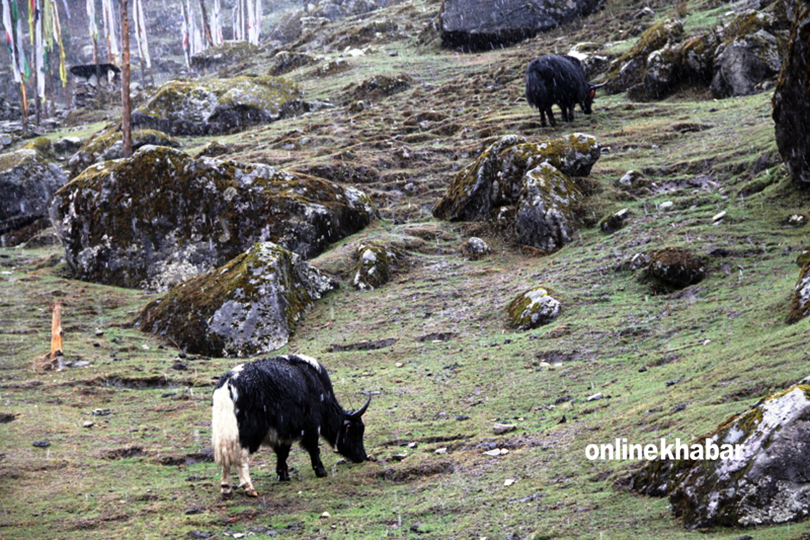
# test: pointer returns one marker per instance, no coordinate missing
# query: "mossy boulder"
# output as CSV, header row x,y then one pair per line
x,y
629,68
676,268
545,215
161,217
743,64
226,53
766,483
380,86
800,302
614,222
249,306
109,145
475,248
27,183
791,100
524,188
42,145
286,61
374,266
209,107
533,308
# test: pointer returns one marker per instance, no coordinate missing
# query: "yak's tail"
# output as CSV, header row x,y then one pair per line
x,y
535,88
224,429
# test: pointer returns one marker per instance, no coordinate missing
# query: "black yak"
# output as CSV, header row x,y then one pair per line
x,y
558,79
274,402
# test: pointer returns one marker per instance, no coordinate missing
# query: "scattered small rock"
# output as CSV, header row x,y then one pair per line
x,y
326,515
41,444
101,412
475,248
615,222
509,481
594,397
500,429
442,450
717,218
496,452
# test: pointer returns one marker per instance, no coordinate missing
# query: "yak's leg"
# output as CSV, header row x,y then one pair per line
x,y
282,451
225,484
244,475
551,117
310,444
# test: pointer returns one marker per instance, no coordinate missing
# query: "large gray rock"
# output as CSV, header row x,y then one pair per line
x,y
27,183
524,188
545,216
107,146
482,24
765,483
744,63
161,217
791,100
248,307
212,106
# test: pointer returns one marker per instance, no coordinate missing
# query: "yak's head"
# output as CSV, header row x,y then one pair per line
x,y
587,103
350,436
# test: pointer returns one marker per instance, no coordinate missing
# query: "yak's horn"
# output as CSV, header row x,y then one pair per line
x,y
355,415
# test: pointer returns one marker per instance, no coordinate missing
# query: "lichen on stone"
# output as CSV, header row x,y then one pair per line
x,y
533,308
249,306
213,106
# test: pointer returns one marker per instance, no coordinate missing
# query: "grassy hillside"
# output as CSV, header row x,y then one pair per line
x,y
128,435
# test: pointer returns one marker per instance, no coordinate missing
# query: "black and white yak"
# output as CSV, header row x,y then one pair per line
x,y
275,402
558,79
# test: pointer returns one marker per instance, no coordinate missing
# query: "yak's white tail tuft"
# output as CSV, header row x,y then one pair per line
x,y
224,429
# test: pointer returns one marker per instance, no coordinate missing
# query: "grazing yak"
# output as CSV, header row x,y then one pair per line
x,y
558,79
275,402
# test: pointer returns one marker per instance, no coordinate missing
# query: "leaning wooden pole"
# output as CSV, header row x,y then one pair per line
x,y
56,332
126,104
206,27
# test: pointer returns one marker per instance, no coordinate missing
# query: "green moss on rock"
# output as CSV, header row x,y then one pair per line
x,y
225,54
161,217
374,266
219,105
676,267
109,145
250,306
800,301
533,308
763,482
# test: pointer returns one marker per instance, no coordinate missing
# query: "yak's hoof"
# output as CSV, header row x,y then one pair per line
x,y
250,492
226,491
320,472
285,477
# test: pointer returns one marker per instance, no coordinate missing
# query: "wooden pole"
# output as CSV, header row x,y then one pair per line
x,y
56,332
126,104
206,27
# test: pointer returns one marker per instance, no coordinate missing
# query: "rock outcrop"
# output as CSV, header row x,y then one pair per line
x,y
737,59
226,53
800,301
27,183
766,483
791,100
479,24
525,188
374,266
247,307
533,308
109,146
676,268
209,107
161,217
